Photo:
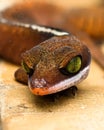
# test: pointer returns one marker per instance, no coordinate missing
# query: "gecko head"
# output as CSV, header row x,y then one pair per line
x,y
56,64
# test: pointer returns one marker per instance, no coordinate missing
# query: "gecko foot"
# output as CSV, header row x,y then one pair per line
x,y
73,90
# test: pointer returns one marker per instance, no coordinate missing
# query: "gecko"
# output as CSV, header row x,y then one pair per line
x,y
52,59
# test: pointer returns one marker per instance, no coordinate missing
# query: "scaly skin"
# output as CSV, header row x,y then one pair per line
x,y
46,59
86,24
47,54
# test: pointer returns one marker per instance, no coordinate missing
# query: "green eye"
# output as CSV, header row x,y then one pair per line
x,y
74,65
26,68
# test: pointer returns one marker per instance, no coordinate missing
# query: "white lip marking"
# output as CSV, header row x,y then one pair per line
x,y
67,83
71,81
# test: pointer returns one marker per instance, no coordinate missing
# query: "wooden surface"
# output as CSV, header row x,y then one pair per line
x,y
20,110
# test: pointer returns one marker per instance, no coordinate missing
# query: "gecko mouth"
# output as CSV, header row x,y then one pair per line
x,y
41,87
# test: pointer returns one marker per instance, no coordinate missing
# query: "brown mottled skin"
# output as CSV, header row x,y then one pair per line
x,y
52,55
43,52
45,58
86,24
20,39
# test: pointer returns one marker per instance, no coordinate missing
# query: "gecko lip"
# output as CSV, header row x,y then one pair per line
x,y
41,87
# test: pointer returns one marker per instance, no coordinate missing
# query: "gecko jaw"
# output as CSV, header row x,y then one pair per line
x,y
42,88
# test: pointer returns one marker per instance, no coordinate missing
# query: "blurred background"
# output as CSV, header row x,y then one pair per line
x,y
64,4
